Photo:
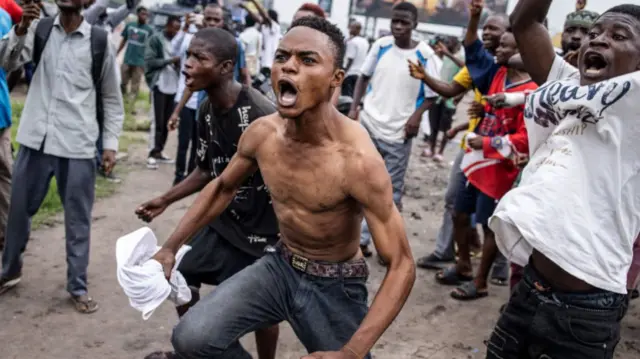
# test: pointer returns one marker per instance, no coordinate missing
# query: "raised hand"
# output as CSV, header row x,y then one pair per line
x,y
416,70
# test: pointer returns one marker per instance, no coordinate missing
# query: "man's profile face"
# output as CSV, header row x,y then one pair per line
x,y
172,28
492,31
143,16
572,37
213,17
402,24
304,71
201,69
611,48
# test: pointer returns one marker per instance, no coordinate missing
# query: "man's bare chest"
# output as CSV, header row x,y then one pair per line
x,y
316,182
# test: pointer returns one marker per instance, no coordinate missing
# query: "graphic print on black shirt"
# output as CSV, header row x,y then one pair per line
x,y
249,221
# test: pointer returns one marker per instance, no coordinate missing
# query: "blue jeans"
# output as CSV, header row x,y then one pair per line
x,y
540,322
396,159
323,312
444,239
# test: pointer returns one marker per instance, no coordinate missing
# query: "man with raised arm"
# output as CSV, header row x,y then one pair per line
x,y
574,216
324,176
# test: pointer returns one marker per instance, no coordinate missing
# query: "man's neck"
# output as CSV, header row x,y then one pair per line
x,y
404,43
514,75
224,96
70,20
314,126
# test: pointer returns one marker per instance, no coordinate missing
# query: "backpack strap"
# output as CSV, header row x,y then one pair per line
x,y
43,30
99,43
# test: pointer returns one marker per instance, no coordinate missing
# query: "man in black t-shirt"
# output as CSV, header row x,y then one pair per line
x,y
238,237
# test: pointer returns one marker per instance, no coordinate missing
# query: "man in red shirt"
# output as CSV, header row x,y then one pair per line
x,y
488,165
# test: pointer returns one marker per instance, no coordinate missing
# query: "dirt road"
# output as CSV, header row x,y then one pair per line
x,y
37,321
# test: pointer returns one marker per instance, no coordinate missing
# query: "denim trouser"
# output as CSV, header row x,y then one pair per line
x,y
544,323
76,178
323,312
396,159
444,240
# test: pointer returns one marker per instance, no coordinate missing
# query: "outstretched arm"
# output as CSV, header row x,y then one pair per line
x,y
372,188
216,196
438,86
536,47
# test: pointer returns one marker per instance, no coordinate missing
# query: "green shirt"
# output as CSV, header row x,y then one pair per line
x,y
136,36
448,72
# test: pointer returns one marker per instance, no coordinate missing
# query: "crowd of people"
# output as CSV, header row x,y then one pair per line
x,y
292,190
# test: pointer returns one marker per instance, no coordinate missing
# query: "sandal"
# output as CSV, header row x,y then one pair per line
x,y
468,291
450,276
161,355
84,304
432,262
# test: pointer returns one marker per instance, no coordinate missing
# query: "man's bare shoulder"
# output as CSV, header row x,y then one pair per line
x,y
257,133
364,165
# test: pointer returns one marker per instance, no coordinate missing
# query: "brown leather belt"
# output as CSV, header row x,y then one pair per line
x,y
356,268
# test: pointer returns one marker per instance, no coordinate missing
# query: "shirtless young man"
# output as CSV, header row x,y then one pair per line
x,y
574,216
238,236
324,175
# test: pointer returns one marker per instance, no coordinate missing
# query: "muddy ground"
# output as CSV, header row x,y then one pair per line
x,y
37,321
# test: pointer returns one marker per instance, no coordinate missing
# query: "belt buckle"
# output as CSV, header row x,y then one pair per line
x,y
299,263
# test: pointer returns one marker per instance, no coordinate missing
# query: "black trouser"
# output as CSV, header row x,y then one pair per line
x,y
187,134
540,322
349,85
162,109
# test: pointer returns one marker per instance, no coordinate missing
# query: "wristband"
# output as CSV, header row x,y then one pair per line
x,y
514,99
352,351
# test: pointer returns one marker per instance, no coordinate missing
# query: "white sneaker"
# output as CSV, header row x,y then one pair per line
x,y
152,163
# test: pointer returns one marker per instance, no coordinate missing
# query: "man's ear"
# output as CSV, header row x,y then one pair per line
x,y
227,67
338,77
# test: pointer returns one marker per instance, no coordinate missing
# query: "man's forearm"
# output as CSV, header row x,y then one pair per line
x,y
195,182
442,88
472,31
528,12
209,204
183,101
391,297
358,92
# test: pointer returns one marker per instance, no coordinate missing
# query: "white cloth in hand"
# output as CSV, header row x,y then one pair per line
x,y
142,278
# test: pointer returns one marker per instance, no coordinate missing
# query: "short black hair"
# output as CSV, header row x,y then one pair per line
x,y
626,9
249,21
273,14
172,18
407,6
220,43
504,18
141,9
327,28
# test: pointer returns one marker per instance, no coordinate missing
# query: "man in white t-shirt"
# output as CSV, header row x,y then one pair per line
x,y
575,215
395,102
251,38
357,48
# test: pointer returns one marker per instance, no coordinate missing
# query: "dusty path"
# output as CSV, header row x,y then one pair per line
x,y
36,320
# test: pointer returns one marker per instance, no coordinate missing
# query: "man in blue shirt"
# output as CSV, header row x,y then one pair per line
x,y
6,156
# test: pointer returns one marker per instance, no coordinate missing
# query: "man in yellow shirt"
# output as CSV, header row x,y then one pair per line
x,y
444,253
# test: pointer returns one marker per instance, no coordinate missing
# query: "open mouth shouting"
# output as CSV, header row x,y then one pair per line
x,y
287,93
594,65
188,79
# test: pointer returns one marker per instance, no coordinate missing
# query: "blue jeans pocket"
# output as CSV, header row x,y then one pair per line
x,y
591,329
355,290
